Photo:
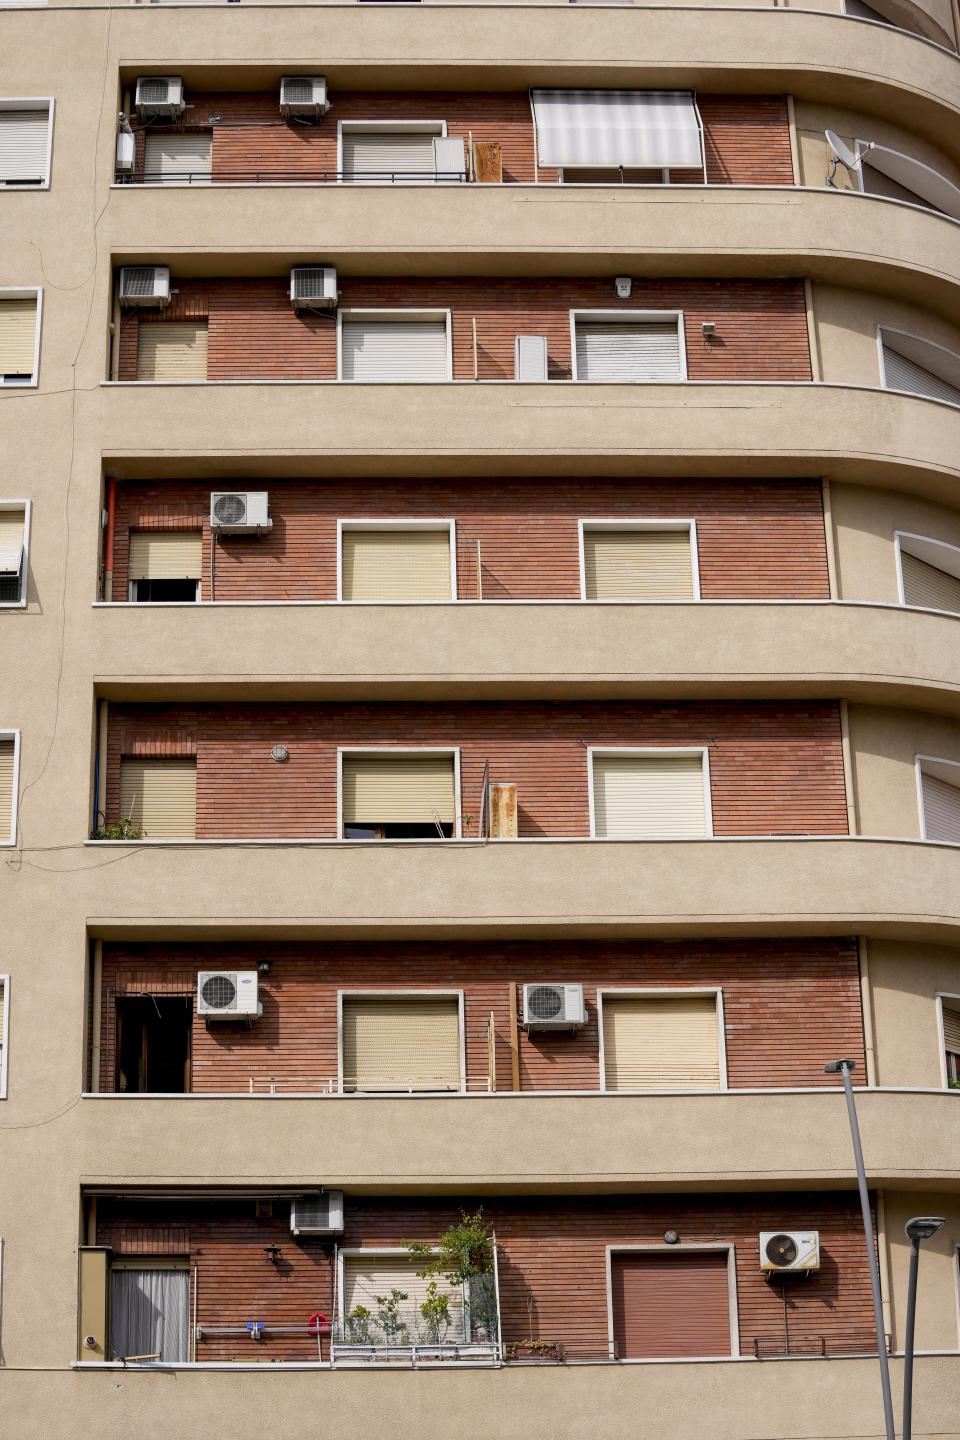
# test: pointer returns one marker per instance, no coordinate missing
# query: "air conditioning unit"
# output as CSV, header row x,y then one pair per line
x,y
786,1252
227,994
553,1007
304,95
530,357
240,512
317,1214
449,158
159,97
147,286
313,287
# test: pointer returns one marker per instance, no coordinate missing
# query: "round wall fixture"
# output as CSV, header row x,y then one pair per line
x,y
280,753
671,1237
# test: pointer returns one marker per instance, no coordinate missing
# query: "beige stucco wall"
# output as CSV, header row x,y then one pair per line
x,y
852,125
905,981
937,1288
865,524
885,744
847,321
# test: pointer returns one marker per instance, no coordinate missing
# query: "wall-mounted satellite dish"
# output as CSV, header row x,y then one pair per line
x,y
842,150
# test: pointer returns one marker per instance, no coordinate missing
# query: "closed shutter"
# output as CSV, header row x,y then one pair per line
x,y
951,1028
628,351
11,541
926,585
178,157
660,1042
385,153
903,374
648,795
3,1001
670,1305
24,136
396,565
367,1276
175,350
160,795
941,808
394,349
395,1042
165,555
390,790
7,831
18,337
637,564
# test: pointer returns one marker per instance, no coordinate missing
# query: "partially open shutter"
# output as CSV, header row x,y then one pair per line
x,y
637,564
365,1277
6,791
24,136
941,808
393,1042
399,788
901,373
927,585
628,351
394,349
11,541
383,154
165,555
617,127
660,1042
396,565
160,795
18,337
666,1306
172,350
648,795
951,1027
172,157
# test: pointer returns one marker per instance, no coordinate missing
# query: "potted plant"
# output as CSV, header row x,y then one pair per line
x,y
464,1257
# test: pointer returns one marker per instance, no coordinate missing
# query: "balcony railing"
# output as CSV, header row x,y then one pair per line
x,y
269,176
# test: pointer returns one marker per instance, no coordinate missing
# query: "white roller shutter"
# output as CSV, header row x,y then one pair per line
x,y
900,373
383,154
927,585
401,1042
394,349
165,555
398,789
637,565
661,1042
941,808
656,128
636,796
24,141
160,795
172,350
396,565
626,351
173,157
18,336
365,1277
7,828
11,541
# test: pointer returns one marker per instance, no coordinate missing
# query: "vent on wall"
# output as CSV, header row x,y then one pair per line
x,y
317,1214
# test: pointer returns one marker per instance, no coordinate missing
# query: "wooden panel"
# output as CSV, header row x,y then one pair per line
x,y
670,1305
397,789
396,1042
662,1042
648,795
165,555
18,336
172,350
396,564
927,585
160,795
637,564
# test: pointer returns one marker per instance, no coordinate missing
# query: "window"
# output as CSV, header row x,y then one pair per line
x,y
673,1303
918,366
649,794
406,560
950,1030
172,350
401,1042
653,1040
173,158
4,1032
153,1044
14,540
394,345
9,785
26,134
385,150
645,129
929,573
628,346
396,795
160,795
939,784
883,171
367,1275
150,1312
19,335
652,560
164,565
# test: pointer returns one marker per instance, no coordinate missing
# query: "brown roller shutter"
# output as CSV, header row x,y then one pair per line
x,y
951,1028
670,1305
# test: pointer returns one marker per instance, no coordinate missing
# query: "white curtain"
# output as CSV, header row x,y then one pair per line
x,y
150,1313
657,129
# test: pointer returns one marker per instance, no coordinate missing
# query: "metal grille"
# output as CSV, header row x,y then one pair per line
x,y
154,92
219,992
298,92
138,279
230,509
309,282
544,1002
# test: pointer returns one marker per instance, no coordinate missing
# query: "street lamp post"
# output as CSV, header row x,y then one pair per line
x,y
921,1227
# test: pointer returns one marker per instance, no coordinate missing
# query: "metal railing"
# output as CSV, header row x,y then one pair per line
x,y
270,176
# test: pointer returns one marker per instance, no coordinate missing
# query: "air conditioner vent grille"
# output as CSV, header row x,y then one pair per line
x,y
310,284
219,992
138,280
154,92
298,92
230,509
544,1002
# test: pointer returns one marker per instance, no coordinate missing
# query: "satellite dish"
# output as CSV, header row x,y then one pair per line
x,y
842,151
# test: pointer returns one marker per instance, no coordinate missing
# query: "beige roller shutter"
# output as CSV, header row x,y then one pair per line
x,y
165,554
160,795
11,541
941,808
396,565
927,585
6,790
660,1042
648,795
367,1276
385,153
3,1001
172,157
18,336
637,564
24,135
628,351
394,349
951,1028
174,350
393,1042
394,789
900,373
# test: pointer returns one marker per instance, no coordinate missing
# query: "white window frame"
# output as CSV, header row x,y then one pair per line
x,y
666,992
624,523
940,997
899,536
26,292
646,751
386,523
664,1249
5,1036
399,994
352,1252
11,832
412,752
923,340
387,312
919,762
25,506
437,128
31,102
627,317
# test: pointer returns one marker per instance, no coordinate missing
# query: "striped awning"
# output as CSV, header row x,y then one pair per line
x,y
648,128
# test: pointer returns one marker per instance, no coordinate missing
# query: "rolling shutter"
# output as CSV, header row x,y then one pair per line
x,y
660,1042
648,795
24,137
175,157
395,1042
628,351
165,555
174,350
670,1305
396,564
617,127
18,337
160,795
7,827
367,1276
637,564
927,585
385,153
951,1028
11,541
899,373
384,790
394,349
3,1001
941,808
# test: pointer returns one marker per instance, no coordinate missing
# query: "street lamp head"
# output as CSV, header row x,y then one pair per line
x,y
921,1227
836,1066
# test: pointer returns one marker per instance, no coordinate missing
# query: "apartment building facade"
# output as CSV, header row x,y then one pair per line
x,y
480,578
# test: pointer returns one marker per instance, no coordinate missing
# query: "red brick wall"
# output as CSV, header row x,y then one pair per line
x,y
551,1258
786,1003
254,332
755,540
775,768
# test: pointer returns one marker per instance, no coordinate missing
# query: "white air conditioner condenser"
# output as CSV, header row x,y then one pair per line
x,y
227,994
788,1252
145,286
553,1007
317,1214
240,512
304,95
159,97
313,287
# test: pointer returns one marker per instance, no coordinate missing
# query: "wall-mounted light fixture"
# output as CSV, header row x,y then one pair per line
x,y
671,1237
624,285
280,753
709,328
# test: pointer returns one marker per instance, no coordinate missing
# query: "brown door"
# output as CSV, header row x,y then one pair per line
x,y
670,1304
